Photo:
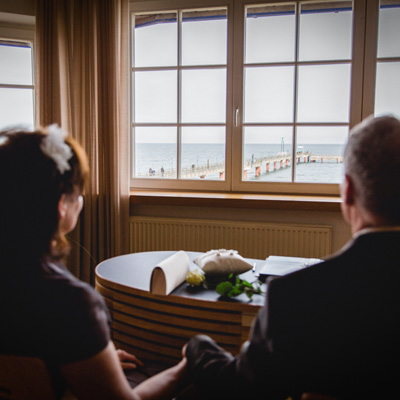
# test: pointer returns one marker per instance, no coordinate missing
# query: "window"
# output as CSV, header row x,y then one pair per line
x,y
257,96
180,92
296,83
387,87
16,78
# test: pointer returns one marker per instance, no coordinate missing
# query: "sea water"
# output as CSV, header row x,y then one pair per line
x,y
158,157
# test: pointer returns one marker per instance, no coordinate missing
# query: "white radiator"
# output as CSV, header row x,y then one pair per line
x,y
253,240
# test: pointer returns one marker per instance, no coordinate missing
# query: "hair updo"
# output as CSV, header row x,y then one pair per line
x,y
31,187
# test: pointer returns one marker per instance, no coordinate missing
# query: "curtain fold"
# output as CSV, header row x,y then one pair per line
x,y
82,81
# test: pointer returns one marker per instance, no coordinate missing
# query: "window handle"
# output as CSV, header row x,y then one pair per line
x,y
236,116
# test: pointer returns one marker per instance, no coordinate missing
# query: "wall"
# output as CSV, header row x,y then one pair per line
x,y
25,7
17,14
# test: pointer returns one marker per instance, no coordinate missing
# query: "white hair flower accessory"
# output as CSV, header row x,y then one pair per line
x,y
3,140
53,146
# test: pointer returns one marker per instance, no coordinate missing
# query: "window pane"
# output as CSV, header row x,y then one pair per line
x,y
270,34
387,92
156,40
267,154
155,152
204,37
16,108
203,153
16,63
155,96
324,93
389,29
320,150
325,31
269,94
204,95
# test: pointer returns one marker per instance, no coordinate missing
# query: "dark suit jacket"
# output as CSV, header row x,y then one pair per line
x,y
331,328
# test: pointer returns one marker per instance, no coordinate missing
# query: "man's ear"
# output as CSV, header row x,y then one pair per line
x,y
348,191
62,207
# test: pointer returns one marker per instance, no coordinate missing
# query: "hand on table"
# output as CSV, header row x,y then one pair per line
x,y
128,361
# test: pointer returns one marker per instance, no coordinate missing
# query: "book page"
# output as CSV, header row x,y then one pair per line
x,y
279,265
170,273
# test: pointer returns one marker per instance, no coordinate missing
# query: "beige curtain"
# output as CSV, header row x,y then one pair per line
x,y
82,83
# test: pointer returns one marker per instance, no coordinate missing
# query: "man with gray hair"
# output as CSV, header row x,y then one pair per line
x,y
332,328
372,168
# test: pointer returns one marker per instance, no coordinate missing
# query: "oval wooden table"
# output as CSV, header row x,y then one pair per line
x,y
156,326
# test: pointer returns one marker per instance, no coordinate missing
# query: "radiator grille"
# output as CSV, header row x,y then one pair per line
x,y
253,240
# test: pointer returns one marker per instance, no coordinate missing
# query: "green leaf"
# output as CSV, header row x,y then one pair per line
x,y
235,286
224,288
236,291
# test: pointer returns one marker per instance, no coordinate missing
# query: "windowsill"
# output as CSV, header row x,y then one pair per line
x,y
235,200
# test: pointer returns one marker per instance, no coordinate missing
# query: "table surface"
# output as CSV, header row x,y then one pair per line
x,y
134,270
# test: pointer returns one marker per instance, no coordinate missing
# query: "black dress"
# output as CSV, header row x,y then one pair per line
x,y
48,313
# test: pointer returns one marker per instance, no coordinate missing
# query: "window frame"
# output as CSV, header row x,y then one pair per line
x,y
371,57
185,184
362,88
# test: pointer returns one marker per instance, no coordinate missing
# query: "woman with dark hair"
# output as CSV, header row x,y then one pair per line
x,y
47,312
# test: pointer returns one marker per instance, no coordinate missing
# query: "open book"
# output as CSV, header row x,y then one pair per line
x,y
169,273
278,265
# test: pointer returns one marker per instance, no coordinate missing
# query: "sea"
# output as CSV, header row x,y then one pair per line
x,y
160,161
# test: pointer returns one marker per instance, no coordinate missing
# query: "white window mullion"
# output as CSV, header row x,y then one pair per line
x,y
295,97
237,115
371,41
179,97
359,45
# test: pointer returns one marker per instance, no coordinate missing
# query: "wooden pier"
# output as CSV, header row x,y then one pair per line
x,y
338,159
259,165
